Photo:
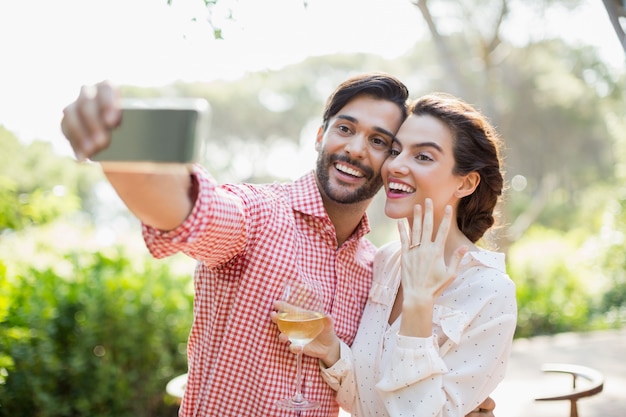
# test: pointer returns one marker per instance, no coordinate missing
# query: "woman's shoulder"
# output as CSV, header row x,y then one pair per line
x,y
387,261
482,285
485,266
387,252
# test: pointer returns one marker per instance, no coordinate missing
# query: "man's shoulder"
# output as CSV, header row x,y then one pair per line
x,y
367,246
270,190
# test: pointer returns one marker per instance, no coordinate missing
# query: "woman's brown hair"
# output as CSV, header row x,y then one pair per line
x,y
476,149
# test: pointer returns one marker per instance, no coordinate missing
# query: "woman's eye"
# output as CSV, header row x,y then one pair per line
x,y
394,152
423,157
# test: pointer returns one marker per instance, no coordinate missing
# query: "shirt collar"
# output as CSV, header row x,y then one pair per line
x,y
494,260
306,198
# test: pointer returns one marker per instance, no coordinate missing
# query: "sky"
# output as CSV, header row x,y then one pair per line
x,y
49,49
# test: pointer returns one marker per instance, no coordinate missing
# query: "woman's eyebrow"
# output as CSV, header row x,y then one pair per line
x,y
428,145
419,145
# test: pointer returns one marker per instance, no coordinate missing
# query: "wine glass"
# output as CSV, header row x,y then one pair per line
x,y
301,318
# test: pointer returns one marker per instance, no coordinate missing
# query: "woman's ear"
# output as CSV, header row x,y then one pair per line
x,y
468,184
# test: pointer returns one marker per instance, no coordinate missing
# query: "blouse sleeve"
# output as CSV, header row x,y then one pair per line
x,y
340,377
425,379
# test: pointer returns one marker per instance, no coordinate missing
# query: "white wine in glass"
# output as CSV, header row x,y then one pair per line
x,y
301,327
301,318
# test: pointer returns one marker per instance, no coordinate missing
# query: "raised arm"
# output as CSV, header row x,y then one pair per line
x,y
161,198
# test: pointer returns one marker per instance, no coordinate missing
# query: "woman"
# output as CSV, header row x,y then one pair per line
x,y
436,334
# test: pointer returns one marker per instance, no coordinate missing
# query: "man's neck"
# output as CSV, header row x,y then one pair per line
x,y
345,217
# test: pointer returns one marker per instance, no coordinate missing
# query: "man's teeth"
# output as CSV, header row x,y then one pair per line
x,y
400,187
348,170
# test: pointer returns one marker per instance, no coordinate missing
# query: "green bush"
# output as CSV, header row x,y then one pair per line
x,y
37,186
609,244
92,334
556,287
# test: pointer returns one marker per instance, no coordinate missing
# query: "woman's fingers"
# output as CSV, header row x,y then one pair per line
x,y
444,226
427,223
404,235
416,233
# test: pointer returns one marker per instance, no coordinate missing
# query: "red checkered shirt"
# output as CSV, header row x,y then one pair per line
x,y
247,239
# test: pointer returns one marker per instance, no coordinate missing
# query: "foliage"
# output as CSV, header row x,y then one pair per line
x,y
609,244
557,284
549,99
91,332
37,186
613,229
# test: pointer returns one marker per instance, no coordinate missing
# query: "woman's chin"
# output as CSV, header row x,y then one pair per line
x,y
397,213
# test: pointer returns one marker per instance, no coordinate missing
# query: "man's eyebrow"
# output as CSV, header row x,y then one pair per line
x,y
356,121
348,118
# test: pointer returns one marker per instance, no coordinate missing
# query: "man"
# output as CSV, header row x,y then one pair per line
x,y
248,238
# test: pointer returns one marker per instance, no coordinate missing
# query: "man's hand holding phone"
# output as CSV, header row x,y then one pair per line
x,y
87,122
101,126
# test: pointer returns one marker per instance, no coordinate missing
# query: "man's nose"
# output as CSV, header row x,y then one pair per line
x,y
356,147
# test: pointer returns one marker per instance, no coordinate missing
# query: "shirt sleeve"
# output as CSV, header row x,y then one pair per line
x,y
214,231
424,379
341,378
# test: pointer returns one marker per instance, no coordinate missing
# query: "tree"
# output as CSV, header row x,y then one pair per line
x,y
536,95
617,11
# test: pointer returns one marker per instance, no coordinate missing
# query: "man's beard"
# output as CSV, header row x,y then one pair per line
x,y
366,192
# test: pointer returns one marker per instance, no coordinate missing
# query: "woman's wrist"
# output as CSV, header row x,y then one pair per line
x,y
333,354
416,320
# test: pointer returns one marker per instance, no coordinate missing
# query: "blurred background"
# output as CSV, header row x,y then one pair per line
x,y
91,325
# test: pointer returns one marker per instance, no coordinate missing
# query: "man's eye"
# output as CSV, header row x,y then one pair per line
x,y
344,128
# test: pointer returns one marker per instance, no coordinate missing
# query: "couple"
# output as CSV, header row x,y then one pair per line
x,y
247,238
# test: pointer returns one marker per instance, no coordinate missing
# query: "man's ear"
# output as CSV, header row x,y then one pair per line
x,y
319,138
468,184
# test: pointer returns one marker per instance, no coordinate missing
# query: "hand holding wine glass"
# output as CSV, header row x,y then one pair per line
x,y
301,318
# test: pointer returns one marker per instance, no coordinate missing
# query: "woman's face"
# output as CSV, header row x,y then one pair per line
x,y
421,165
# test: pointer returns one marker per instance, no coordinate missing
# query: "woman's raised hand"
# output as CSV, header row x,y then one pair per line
x,y
425,273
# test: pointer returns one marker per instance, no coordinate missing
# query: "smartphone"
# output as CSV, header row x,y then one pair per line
x,y
168,130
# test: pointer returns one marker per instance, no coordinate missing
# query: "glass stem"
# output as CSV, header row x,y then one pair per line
x,y
298,398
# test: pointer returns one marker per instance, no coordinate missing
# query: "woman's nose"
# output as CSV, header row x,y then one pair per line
x,y
396,164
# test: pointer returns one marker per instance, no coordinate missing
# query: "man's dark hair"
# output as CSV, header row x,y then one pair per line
x,y
377,85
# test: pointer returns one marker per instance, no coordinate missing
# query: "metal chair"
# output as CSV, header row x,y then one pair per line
x,y
595,385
